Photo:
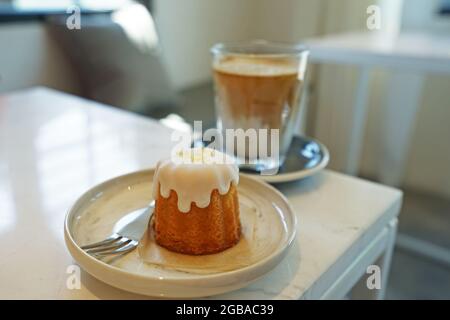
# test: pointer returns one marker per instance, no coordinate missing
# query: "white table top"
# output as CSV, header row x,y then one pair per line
x,y
413,51
54,146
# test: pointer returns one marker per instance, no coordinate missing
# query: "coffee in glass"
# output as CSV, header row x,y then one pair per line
x,y
258,93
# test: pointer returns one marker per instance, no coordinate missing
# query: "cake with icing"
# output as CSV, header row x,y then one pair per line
x,y
197,207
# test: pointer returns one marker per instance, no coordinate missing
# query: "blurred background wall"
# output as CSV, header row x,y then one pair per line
x,y
187,29
29,56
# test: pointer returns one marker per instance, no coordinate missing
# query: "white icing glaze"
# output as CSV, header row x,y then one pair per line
x,y
193,174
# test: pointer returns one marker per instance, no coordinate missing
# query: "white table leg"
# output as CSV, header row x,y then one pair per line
x,y
358,122
386,258
397,124
360,291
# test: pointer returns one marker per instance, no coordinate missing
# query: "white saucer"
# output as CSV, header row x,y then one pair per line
x,y
306,157
95,213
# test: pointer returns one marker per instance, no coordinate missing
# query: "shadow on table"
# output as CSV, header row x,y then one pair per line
x,y
305,185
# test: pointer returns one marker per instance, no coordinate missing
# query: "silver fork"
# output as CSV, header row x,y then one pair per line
x,y
126,234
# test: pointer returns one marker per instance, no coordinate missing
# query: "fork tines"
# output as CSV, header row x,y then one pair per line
x,y
115,244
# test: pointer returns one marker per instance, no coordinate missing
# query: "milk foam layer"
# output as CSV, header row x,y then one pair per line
x,y
263,67
193,174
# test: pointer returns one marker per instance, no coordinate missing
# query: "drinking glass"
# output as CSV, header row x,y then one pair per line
x,y
258,93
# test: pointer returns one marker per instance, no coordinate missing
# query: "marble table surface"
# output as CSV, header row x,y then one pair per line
x,y
54,146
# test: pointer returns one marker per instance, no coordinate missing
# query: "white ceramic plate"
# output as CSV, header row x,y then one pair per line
x,y
95,213
306,157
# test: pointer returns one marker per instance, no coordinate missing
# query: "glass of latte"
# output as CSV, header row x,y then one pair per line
x,y
258,94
